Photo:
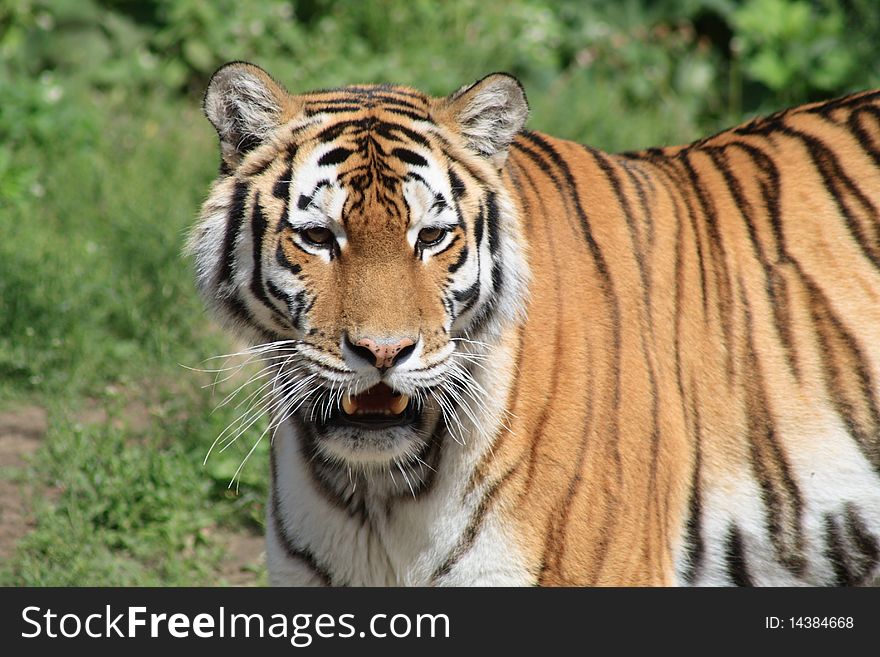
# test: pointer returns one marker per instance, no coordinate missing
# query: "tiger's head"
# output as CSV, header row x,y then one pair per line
x,y
362,241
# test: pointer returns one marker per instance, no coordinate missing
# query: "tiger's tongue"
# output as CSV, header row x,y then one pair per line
x,y
378,400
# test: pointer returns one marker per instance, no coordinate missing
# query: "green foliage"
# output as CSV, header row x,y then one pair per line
x,y
104,158
795,47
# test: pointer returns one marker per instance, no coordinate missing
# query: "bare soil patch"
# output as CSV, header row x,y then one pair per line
x,y
245,554
21,432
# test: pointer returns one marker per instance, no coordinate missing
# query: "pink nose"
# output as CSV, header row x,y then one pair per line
x,y
386,352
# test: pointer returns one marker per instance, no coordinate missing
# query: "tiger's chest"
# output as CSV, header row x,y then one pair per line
x,y
441,535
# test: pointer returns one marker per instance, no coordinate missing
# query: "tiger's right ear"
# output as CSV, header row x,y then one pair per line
x,y
245,105
488,114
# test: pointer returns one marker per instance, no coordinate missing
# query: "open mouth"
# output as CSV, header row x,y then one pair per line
x,y
377,408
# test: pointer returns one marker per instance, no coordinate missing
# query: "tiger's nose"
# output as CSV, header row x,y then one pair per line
x,y
384,353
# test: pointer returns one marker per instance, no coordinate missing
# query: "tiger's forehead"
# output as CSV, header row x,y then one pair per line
x,y
363,149
395,100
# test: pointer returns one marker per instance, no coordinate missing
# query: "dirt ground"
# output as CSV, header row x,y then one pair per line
x,y
21,432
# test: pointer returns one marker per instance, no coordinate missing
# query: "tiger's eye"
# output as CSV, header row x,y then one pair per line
x,y
317,235
431,235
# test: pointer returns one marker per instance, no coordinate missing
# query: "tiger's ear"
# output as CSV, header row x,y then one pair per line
x,y
489,114
245,105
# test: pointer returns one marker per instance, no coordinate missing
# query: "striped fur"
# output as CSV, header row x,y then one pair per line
x,y
651,368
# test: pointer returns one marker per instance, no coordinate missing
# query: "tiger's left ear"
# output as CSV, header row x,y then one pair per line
x,y
489,114
245,105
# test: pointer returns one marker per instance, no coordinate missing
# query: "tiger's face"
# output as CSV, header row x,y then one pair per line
x,y
362,241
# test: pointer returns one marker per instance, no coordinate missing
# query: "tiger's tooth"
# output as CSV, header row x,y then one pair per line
x,y
398,404
349,405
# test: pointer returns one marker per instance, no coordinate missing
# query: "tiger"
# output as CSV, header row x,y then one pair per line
x,y
492,357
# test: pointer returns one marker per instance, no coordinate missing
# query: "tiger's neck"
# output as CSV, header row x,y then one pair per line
x,y
590,255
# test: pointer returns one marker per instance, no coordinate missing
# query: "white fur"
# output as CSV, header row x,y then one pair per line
x,y
830,472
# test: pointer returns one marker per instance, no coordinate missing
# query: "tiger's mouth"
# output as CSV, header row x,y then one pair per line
x,y
378,407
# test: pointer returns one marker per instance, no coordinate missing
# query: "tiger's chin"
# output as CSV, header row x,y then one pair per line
x,y
368,448
371,430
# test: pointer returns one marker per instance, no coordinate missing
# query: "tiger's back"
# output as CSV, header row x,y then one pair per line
x,y
496,357
719,304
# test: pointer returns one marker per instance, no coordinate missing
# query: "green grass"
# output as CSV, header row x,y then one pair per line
x,y
118,504
97,316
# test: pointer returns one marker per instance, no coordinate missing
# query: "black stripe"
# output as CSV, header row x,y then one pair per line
x,y
717,258
670,169
383,128
735,558
281,259
694,545
393,100
470,533
256,168
456,184
774,283
332,109
296,244
409,157
237,309
496,276
343,100
304,201
259,225
293,551
388,129
871,145
278,293
462,258
841,187
448,246
822,316
492,222
335,156
771,188
647,333
298,307
617,186
412,175
330,478
234,221
587,230
281,189
844,102
537,429
479,180
415,116
835,552
863,541
848,380
468,295
779,491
